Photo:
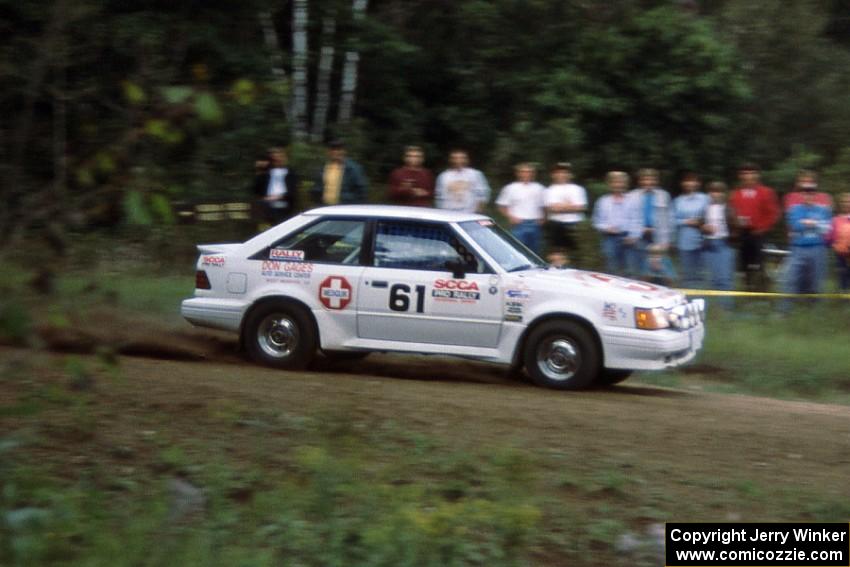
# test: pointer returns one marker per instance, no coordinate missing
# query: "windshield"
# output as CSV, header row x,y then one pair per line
x,y
506,250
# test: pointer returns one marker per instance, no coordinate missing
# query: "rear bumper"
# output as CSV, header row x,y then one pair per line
x,y
213,313
650,350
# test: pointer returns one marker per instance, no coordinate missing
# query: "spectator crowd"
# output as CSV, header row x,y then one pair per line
x,y
707,226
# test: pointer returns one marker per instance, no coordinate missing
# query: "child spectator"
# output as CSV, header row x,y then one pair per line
x,y
659,269
689,210
522,204
461,188
566,203
840,238
756,211
412,184
611,219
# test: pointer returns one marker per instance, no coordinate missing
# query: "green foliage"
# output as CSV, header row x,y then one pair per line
x,y
133,92
208,109
192,102
135,209
15,322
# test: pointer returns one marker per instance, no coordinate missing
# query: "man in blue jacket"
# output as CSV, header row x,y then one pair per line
x,y
340,181
809,224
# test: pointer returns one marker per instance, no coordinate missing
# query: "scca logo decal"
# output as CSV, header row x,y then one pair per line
x,y
456,284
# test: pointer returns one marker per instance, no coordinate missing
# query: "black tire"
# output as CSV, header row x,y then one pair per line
x,y
345,355
562,355
610,376
280,334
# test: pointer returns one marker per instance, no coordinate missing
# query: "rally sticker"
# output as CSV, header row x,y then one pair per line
x,y
214,261
335,292
456,290
284,254
276,271
614,281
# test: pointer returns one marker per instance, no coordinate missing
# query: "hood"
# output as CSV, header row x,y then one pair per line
x,y
603,286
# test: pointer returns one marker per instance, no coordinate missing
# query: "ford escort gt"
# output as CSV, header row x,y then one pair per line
x,y
349,280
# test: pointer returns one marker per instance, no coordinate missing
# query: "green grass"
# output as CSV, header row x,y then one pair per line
x,y
756,349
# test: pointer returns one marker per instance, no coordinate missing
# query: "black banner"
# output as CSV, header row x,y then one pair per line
x,y
757,544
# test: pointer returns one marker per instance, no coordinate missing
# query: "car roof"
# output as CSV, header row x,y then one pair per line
x,y
393,211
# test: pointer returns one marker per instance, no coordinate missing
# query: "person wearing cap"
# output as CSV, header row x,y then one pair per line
x,y
521,202
806,179
688,212
649,227
809,223
717,228
756,212
611,219
839,238
566,203
460,187
340,181
412,184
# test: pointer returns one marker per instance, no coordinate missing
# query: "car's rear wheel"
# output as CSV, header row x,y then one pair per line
x,y
610,376
562,355
280,334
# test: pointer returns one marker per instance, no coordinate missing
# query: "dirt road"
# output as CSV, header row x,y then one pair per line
x,y
676,433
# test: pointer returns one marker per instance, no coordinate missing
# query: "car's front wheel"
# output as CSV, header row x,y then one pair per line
x,y
562,355
280,334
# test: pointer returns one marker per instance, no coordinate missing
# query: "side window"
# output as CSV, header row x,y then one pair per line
x,y
419,246
332,241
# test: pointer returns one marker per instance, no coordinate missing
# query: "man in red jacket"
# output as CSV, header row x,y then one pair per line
x,y
756,210
412,184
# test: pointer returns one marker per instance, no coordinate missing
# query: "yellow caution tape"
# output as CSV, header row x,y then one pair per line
x,y
720,293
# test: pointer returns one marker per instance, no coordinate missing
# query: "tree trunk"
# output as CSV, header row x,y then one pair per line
x,y
276,54
299,69
323,81
349,70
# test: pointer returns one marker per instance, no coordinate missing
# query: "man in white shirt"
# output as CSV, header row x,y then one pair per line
x,y
612,218
276,187
719,256
522,204
566,203
461,188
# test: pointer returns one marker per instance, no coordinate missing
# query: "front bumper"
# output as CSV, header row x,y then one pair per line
x,y
650,350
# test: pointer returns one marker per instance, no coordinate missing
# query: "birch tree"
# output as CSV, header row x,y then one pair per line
x,y
349,70
299,69
323,81
276,54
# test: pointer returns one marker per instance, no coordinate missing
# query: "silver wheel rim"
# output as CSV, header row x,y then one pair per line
x,y
278,335
558,358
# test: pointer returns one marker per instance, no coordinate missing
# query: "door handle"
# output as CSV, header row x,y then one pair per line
x,y
379,284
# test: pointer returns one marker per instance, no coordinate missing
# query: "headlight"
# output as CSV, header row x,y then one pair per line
x,y
651,319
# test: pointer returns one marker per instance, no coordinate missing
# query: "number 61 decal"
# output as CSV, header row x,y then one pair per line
x,y
400,297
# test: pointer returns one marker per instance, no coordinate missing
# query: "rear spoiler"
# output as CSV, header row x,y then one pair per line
x,y
216,248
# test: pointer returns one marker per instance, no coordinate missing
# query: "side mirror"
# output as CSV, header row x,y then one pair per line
x,y
458,269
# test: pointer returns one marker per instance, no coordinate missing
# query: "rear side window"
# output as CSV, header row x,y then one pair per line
x,y
421,246
332,241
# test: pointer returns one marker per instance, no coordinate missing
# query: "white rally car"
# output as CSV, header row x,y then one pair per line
x,y
355,279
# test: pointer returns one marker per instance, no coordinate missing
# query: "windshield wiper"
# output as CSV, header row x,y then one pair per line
x,y
521,267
